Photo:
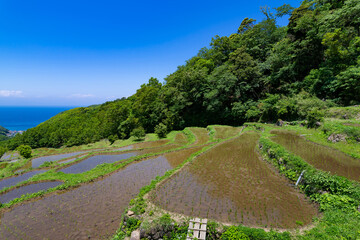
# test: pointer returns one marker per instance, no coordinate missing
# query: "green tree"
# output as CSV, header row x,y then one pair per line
x,y
161,130
24,151
138,133
2,151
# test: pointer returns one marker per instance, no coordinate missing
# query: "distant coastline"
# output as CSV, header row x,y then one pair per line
x,y
21,118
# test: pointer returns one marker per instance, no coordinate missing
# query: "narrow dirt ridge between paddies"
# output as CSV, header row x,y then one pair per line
x,y
231,184
91,210
321,157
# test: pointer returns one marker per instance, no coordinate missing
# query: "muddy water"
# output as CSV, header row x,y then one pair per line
x,y
38,161
92,210
8,182
32,188
224,132
93,161
202,135
319,156
229,183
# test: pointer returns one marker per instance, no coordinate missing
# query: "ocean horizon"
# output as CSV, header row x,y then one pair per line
x,y
21,118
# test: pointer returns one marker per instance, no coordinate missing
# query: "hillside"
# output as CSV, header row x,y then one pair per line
x,y
3,132
262,72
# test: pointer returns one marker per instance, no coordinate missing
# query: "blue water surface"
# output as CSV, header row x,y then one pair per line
x,y
23,118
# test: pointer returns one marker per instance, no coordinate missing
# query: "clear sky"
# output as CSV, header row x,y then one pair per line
x,y
78,53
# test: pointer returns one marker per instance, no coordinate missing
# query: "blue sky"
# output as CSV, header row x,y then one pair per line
x,y
78,53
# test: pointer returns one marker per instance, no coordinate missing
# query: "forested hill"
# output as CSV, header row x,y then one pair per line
x,y
3,132
261,72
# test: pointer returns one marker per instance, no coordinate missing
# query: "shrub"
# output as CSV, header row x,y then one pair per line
x,y
330,201
138,133
24,151
161,130
234,233
313,117
2,151
112,138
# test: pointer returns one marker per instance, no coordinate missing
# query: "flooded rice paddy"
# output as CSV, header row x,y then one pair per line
x,y
32,188
12,181
319,156
202,135
92,162
90,211
229,183
38,161
224,132
124,148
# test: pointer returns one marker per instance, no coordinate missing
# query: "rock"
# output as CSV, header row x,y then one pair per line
x,y
337,138
279,123
280,161
318,124
142,233
130,213
135,235
345,116
157,235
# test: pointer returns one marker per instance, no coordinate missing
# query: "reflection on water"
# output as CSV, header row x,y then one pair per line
x,y
93,210
12,181
92,162
38,161
32,188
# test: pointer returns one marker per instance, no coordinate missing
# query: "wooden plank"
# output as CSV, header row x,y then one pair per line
x,y
203,227
202,235
196,234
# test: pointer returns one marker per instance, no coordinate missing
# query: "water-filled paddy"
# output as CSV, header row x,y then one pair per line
x,y
32,188
93,161
229,183
38,161
92,210
12,181
319,156
202,135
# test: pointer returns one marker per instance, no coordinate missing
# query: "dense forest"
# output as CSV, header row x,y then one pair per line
x,y
3,133
262,72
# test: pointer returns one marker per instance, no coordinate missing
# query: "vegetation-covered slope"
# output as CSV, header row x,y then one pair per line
x,y
3,132
261,72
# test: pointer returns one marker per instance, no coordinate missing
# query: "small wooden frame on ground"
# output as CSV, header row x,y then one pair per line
x,y
197,229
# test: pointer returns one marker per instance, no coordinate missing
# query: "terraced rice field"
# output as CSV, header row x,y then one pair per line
x,y
32,188
92,162
12,181
38,161
224,132
319,156
202,135
229,183
89,211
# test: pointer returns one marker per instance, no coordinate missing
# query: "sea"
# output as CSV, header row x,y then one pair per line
x,y
23,118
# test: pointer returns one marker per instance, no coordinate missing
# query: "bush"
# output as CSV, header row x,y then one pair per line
x,y
112,138
2,151
24,151
161,130
138,133
233,233
313,117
